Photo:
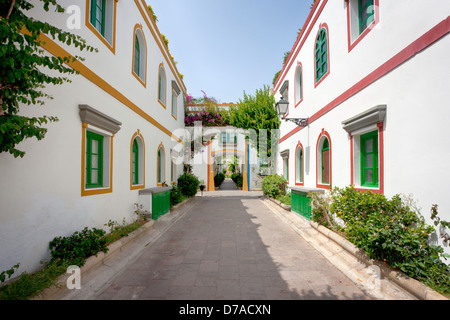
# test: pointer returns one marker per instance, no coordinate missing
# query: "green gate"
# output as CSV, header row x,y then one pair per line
x,y
160,204
300,201
160,201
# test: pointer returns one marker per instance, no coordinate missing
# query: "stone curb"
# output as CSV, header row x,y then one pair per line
x,y
278,202
113,248
413,286
410,285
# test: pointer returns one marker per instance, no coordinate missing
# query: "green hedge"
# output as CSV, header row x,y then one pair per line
x,y
218,179
238,179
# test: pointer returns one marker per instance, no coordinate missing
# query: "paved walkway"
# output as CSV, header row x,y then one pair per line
x,y
230,246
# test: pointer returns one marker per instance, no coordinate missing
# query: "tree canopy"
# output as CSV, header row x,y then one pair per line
x,y
24,69
257,112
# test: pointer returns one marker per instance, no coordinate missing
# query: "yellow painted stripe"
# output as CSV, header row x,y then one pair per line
x,y
53,48
158,40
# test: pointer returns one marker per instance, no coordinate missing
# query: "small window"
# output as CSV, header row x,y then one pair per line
x,y
362,16
174,104
321,55
298,85
369,159
94,160
137,56
366,14
228,138
286,168
161,166
162,86
98,15
100,18
96,150
299,165
173,170
325,162
135,163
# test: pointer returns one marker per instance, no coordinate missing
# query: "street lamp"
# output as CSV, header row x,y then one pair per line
x,y
282,108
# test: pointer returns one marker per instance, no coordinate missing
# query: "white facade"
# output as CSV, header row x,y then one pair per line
x,y
391,80
226,143
45,194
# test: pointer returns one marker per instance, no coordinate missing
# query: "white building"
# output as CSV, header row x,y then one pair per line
x,y
371,77
223,145
114,134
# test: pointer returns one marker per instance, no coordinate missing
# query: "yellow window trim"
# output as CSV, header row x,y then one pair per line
x,y
86,192
159,184
112,46
137,186
143,82
158,39
176,104
53,48
163,103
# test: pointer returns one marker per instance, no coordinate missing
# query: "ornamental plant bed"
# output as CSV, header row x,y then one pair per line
x,y
387,230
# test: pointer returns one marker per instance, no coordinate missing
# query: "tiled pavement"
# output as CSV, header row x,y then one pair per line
x,y
230,246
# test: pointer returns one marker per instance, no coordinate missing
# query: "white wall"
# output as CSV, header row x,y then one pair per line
x,y
415,93
41,193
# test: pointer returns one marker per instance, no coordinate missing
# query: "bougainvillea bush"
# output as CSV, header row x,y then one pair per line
x,y
207,118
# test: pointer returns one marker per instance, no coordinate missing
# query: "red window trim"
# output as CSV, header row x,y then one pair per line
x,y
421,43
322,26
353,44
380,189
297,103
318,184
299,145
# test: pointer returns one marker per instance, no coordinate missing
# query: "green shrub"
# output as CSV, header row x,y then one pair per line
x,y
218,179
175,196
188,184
285,199
78,247
274,185
388,230
238,179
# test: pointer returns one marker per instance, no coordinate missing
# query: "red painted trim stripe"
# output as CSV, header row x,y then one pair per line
x,y
287,66
427,39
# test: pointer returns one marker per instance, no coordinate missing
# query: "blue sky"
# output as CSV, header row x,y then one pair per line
x,y
227,47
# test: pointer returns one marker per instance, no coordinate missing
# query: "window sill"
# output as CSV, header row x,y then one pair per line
x,y
95,191
371,189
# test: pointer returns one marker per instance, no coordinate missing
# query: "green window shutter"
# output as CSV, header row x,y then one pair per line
x,y
135,163
161,160
321,54
286,168
300,166
137,57
94,160
174,104
162,86
369,159
365,13
326,162
98,10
